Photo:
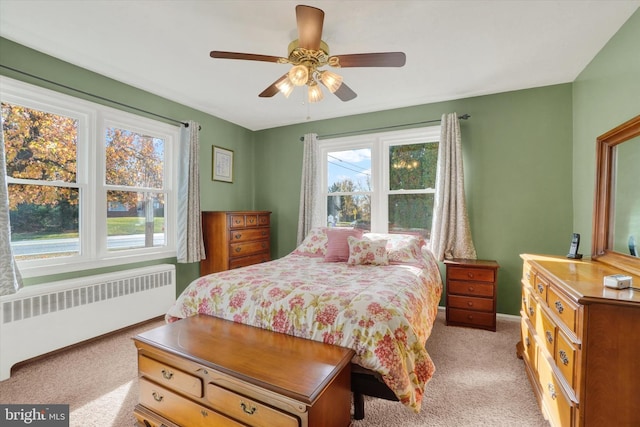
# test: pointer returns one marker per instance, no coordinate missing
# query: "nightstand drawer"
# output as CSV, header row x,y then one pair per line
x,y
472,274
169,376
473,318
471,303
247,410
470,288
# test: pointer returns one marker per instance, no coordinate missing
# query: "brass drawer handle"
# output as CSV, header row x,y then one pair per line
x,y
470,275
549,336
470,303
563,357
264,233
471,288
552,391
158,397
167,374
238,236
248,410
559,307
238,250
204,413
540,288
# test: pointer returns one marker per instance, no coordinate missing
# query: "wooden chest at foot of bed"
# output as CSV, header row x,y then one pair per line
x,y
204,371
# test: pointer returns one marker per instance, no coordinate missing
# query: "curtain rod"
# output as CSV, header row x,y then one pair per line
x,y
185,124
462,117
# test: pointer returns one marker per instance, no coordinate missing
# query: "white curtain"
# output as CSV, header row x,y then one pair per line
x,y
309,214
190,241
10,278
450,233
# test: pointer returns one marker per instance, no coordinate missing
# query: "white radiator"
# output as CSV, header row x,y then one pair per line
x,y
41,318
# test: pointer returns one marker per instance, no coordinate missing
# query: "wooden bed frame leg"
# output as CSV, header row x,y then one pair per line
x,y
358,406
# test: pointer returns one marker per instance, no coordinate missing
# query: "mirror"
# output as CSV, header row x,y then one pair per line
x,y
616,221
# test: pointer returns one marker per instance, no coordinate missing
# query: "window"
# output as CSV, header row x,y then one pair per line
x,y
381,182
89,186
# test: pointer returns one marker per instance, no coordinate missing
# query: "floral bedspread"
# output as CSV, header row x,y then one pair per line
x,y
384,313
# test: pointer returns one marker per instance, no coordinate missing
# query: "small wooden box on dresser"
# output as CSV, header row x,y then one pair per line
x,y
234,239
471,293
580,342
204,371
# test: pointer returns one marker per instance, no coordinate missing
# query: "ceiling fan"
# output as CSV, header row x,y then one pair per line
x,y
308,54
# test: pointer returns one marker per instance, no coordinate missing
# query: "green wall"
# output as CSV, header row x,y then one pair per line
x,y
215,195
517,157
605,94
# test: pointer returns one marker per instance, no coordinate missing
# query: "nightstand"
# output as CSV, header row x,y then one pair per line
x,y
471,293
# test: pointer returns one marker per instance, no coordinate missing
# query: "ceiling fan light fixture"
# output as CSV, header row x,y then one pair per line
x,y
299,75
315,93
331,80
285,86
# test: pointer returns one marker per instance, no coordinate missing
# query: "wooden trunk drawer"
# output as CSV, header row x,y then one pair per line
x,y
470,288
473,274
180,410
249,234
471,303
247,410
476,318
248,260
248,248
169,376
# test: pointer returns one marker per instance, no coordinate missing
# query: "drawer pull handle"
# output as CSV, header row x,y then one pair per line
x,y
471,289
470,274
527,342
559,307
549,336
470,303
264,233
238,249
540,288
264,245
552,390
531,311
563,357
248,410
167,374
204,413
238,236
158,397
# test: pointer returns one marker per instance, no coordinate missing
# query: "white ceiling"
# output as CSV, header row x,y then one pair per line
x,y
455,49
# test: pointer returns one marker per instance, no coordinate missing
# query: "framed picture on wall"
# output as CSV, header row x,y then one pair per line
x,y
222,166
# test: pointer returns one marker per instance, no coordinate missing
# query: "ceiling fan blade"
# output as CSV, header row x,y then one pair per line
x,y
383,59
310,21
345,93
246,56
272,90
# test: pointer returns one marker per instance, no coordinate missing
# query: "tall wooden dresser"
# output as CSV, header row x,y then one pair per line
x,y
234,239
580,342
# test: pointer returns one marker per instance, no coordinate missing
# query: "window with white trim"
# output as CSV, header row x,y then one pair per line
x,y
382,182
89,186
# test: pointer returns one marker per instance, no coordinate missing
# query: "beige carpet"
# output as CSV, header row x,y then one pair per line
x,y
478,382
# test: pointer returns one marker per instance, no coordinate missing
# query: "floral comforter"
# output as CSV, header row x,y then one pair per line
x,y
384,313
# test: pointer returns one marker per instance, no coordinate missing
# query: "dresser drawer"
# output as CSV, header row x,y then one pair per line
x,y
529,342
470,288
249,260
248,248
249,234
247,410
169,376
471,303
546,329
559,407
540,287
180,410
530,304
472,274
562,307
475,318
565,358
237,221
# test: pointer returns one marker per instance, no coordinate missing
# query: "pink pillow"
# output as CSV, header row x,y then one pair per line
x,y
337,244
315,244
367,252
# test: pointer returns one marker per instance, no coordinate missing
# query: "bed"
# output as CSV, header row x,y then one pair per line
x,y
375,293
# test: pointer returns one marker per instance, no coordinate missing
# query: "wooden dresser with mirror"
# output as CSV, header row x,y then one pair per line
x,y
581,340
